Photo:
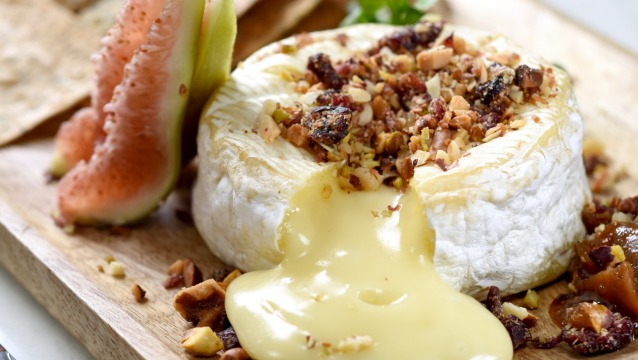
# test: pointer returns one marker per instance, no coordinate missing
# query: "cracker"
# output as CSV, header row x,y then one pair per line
x,y
44,61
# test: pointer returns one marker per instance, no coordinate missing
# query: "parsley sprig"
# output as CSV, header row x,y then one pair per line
x,y
397,12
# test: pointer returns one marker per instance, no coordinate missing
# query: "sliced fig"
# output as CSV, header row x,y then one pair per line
x,y
212,66
77,137
137,165
617,285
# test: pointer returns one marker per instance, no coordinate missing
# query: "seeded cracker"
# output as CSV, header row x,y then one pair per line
x,y
44,59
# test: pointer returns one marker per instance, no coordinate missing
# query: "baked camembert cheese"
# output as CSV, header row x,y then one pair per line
x,y
373,174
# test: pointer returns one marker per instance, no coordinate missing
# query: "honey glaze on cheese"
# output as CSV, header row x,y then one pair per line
x,y
357,282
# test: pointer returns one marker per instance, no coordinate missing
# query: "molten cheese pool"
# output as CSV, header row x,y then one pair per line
x,y
374,179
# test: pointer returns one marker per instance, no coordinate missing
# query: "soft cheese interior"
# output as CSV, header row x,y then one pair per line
x,y
507,214
357,280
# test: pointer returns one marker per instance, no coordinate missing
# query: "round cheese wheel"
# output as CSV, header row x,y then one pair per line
x,y
506,213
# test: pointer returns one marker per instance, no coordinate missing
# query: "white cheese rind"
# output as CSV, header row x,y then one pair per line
x,y
507,214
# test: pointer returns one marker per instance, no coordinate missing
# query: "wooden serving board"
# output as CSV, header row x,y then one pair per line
x,y
60,270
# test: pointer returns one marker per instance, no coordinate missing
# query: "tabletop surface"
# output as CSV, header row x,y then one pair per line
x,y
27,331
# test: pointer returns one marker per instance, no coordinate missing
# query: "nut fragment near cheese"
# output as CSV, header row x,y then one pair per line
x,y
504,213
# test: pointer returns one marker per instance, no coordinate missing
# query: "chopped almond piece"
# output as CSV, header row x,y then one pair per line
x,y
459,103
116,268
202,341
531,299
434,59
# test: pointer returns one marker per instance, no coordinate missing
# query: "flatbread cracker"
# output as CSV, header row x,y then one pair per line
x,y
45,50
44,62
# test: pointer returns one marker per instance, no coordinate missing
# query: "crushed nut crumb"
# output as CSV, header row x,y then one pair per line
x,y
410,95
138,293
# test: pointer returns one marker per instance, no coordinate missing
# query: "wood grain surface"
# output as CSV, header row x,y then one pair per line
x,y
60,270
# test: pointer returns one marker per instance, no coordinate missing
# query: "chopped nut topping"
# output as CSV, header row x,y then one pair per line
x,y
511,309
434,59
531,299
182,272
201,304
138,293
176,268
116,269
410,93
202,341
192,274
267,128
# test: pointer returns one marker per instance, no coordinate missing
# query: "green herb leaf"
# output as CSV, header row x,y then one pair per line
x,y
397,12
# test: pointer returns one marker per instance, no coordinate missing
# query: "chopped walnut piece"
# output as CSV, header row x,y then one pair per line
x,y
138,293
175,275
182,272
173,281
235,354
440,140
405,168
192,274
201,304
380,107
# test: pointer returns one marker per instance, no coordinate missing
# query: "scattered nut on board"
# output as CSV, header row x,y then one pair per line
x,y
182,272
116,269
202,341
138,292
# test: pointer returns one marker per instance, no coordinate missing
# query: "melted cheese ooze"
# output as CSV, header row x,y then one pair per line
x,y
359,286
